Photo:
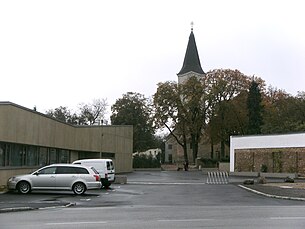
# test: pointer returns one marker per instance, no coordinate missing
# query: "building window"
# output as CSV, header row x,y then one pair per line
x,y
170,146
63,156
52,156
7,150
108,155
16,155
31,155
170,158
43,156
86,155
2,154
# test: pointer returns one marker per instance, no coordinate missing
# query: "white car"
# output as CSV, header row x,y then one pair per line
x,y
77,178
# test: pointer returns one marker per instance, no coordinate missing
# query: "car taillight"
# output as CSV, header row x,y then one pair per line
x,y
106,175
97,177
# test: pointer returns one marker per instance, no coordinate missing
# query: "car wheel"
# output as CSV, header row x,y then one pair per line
x,y
24,187
79,188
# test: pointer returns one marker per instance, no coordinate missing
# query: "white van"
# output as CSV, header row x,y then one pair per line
x,y
104,167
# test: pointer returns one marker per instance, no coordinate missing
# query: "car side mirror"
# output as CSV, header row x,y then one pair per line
x,y
36,173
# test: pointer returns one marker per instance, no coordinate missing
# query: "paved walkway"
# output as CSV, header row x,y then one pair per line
x,y
292,191
275,187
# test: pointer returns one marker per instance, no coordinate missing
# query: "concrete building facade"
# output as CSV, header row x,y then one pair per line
x,y
29,140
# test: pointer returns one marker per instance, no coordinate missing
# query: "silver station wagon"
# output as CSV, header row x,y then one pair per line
x,y
77,178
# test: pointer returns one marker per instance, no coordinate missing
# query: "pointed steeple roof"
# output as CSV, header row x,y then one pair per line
x,y
191,60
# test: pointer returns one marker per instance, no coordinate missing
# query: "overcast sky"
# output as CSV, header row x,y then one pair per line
x,y
62,53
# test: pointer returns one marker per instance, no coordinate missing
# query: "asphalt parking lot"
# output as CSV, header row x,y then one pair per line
x,y
157,188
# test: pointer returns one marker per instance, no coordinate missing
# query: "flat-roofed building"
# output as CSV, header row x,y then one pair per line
x,y
276,153
29,140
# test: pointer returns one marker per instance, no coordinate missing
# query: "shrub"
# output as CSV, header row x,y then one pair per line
x,y
208,163
264,168
143,161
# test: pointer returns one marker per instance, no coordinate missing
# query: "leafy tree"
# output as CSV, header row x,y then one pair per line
x,y
299,110
134,109
230,119
181,108
92,113
89,114
283,112
196,103
227,114
255,109
63,114
168,112
213,105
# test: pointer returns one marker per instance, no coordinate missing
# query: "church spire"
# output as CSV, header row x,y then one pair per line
x,y
191,61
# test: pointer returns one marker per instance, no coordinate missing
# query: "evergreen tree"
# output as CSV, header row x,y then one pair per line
x,y
255,109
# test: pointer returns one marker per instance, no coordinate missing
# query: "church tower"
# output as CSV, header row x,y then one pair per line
x,y
191,64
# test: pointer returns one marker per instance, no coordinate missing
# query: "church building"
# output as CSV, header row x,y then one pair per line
x,y
191,67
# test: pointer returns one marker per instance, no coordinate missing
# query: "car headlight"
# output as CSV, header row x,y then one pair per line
x,y
12,179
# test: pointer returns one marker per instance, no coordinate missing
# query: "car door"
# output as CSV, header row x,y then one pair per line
x,y
110,170
44,178
65,177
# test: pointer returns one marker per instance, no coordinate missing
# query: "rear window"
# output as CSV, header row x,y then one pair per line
x,y
109,165
94,170
82,171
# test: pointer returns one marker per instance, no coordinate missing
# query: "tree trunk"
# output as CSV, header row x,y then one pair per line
x,y
195,143
185,148
212,149
222,149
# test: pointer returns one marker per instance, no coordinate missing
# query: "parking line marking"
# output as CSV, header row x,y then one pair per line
x,y
288,218
183,220
72,223
160,183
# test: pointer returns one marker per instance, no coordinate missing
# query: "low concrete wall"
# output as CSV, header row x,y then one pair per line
x,y
147,169
206,170
279,175
224,166
244,174
120,179
267,175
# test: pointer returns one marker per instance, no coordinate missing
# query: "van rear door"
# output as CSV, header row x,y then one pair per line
x,y
110,171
